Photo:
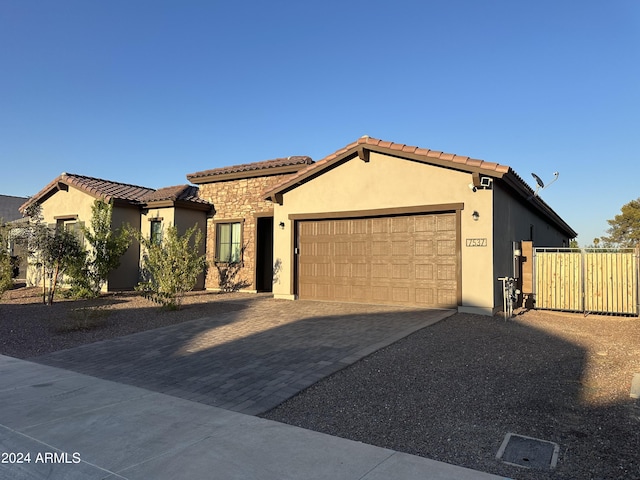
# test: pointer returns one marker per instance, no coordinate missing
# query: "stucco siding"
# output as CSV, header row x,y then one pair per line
x,y
515,221
73,203
125,277
387,182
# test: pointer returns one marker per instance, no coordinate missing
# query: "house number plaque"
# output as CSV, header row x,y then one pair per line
x,y
476,242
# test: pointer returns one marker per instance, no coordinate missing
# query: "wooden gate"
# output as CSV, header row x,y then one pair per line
x,y
587,280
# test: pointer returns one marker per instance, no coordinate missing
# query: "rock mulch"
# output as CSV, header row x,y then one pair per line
x,y
452,391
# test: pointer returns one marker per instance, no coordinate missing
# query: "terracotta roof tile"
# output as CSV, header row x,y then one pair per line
x,y
255,166
96,187
425,153
417,153
105,188
185,193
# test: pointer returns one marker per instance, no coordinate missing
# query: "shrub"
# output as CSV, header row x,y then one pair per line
x,y
171,267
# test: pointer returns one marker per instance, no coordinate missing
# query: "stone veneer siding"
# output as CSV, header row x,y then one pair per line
x,y
234,200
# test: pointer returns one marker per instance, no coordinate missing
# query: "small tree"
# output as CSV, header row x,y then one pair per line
x,y
171,267
624,228
54,250
59,251
105,248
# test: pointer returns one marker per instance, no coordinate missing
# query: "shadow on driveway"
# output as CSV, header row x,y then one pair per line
x,y
249,358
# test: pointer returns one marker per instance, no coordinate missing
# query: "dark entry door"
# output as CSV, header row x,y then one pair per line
x,y
264,260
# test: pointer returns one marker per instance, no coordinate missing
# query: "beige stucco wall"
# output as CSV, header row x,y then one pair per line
x,y
389,182
183,219
125,277
74,202
239,199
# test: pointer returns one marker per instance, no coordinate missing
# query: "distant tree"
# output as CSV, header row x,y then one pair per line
x,y
573,243
171,267
624,228
6,268
106,245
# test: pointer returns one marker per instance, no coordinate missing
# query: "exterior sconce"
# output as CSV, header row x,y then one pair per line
x,y
281,225
475,215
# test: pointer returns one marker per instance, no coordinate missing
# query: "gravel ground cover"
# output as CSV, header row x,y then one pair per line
x,y
29,329
452,391
449,392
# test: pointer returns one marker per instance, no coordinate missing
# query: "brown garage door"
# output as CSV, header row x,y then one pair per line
x,y
404,260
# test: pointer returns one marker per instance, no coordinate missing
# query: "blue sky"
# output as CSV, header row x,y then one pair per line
x,y
145,92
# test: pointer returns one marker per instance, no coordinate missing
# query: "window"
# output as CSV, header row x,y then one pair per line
x,y
71,225
156,232
228,242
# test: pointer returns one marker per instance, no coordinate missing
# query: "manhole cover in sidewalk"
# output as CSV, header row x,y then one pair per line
x,y
528,452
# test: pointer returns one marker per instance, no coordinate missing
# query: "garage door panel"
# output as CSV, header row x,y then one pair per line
x,y
408,260
446,247
380,270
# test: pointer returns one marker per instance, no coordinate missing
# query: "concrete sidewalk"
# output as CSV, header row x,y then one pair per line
x,y
74,426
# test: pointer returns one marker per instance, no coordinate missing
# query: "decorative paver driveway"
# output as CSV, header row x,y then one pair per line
x,y
250,356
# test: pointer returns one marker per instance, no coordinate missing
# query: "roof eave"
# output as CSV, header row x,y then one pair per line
x,y
528,195
264,172
172,203
362,151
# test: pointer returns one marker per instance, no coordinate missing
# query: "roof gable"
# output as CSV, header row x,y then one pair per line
x,y
248,170
185,195
106,190
366,144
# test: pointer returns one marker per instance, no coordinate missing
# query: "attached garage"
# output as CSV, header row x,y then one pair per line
x,y
386,223
396,259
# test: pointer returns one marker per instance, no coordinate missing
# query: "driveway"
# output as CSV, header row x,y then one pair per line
x,y
249,356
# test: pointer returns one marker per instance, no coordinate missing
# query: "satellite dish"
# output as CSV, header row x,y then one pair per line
x,y
540,183
538,180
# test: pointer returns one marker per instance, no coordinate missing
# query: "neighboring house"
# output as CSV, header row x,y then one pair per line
x,y
240,233
67,201
380,222
10,213
10,207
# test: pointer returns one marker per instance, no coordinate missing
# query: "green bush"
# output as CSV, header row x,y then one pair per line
x,y
170,268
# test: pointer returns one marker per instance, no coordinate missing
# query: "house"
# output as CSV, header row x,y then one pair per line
x,y
10,213
67,201
9,207
381,222
240,232
374,222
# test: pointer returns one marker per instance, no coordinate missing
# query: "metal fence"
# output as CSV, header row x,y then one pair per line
x,y
587,280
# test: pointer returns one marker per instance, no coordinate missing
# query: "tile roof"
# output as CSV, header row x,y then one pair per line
x,y
428,156
294,161
96,187
108,190
425,155
184,193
